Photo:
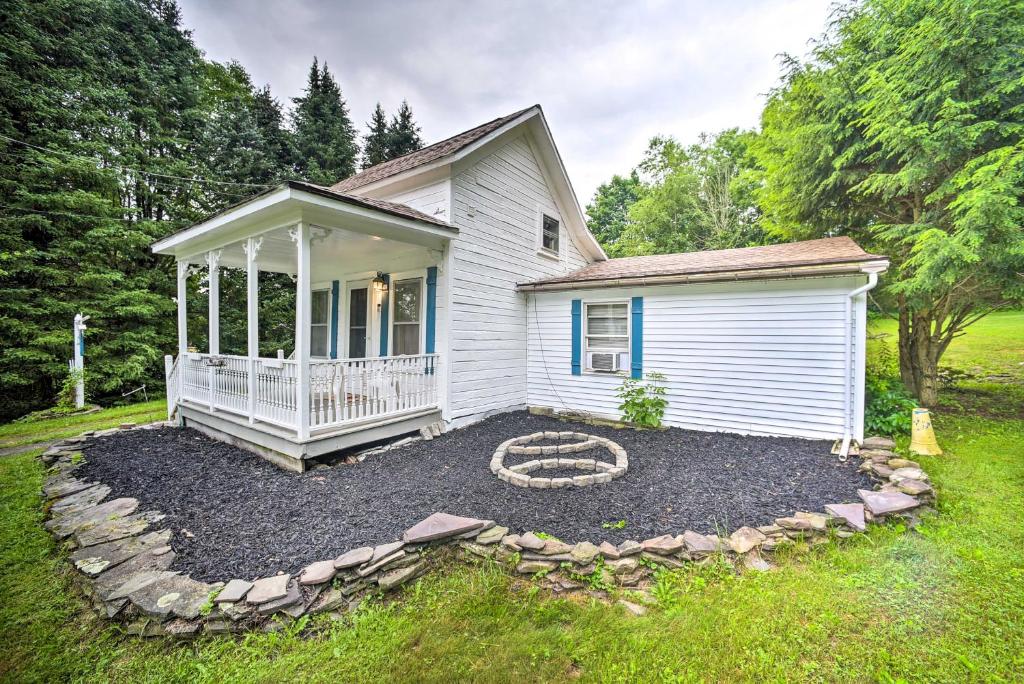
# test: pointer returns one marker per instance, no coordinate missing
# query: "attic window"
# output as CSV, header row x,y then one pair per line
x,y
549,235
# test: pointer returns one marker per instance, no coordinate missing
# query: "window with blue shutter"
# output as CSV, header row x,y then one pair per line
x,y
636,342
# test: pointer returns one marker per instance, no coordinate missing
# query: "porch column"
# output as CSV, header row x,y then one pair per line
x,y
252,248
183,269
213,280
182,308
303,303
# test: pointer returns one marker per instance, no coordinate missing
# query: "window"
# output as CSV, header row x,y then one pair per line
x,y
319,327
549,234
607,336
406,327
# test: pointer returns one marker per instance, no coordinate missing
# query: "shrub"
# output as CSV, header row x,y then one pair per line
x,y
887,403
643,401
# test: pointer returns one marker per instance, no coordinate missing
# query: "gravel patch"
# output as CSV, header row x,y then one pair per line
x,y
235,515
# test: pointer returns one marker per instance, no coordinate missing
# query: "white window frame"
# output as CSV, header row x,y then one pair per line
x,y
330,307
421,275
585,342
541,249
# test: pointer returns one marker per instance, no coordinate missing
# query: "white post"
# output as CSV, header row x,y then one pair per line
x,y
252,248
79,363
183,271
213,280
303,303
168,369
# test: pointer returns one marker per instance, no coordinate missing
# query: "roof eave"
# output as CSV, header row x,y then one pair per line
x,y
875,265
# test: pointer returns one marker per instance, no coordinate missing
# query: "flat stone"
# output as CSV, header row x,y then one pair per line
x,y
744,539
882,503
332,599
897,463
511,542
532,567
268,589
87,498
484,551
318,573
878,443
440,526
117,528
555,547
393,578
385,550
753,561
794,524
632,608
584,552
608,550
93,560
355,557
901,474
233,591
492,535
530,541
178,595
371,568
698,544
852,514
148,561
60,487
629,548
291,597
668,561
769,529
819,522
881,470
664,545
622,566
914,487
136,582
66,525
561,482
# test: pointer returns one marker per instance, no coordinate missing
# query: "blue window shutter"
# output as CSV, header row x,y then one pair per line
x,y
577,335
335,294
431,308
384,305
636,340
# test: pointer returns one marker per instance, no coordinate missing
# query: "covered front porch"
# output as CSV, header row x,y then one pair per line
x,y
369,282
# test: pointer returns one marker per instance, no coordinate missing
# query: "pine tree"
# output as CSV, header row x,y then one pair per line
x,y
277,138
325,139
376,143
403,134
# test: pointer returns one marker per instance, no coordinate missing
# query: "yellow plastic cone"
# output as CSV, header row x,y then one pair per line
x,y
922,437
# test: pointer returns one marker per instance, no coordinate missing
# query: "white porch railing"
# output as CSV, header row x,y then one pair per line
x,y
341,391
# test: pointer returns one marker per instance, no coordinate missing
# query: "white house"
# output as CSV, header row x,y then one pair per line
x,y
461,280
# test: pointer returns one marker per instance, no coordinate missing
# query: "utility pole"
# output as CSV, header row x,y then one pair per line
x,y
78,364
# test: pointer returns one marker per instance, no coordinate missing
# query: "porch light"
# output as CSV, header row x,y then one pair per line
x,y
379,284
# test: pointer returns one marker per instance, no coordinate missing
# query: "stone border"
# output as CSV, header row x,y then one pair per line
x,y
124,567
519,475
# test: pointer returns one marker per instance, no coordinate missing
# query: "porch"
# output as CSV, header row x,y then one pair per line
x,y
362,364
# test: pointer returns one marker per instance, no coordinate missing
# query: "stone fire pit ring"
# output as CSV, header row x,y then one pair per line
x,y
560,456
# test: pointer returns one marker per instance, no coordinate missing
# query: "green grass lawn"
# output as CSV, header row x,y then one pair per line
x,y
944,602
35,431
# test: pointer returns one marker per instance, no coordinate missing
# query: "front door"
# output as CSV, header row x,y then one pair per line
x,y
358,322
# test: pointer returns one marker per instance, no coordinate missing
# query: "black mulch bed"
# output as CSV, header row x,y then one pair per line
x,y
247,518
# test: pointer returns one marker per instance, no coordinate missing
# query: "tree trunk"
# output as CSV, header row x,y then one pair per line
x,y
919,354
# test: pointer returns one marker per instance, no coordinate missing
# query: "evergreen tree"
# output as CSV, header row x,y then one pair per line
x,y
403,133
325,139
376,142
276,137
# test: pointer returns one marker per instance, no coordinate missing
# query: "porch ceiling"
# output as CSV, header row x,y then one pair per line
x,y
334,251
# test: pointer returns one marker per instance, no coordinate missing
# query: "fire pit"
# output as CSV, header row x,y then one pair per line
x,y
558,452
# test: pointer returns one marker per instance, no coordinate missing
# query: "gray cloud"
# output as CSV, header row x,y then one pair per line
x,y
608,74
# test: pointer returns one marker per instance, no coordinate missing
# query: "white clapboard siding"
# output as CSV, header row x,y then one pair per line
x,y
495,204
432,199
752,358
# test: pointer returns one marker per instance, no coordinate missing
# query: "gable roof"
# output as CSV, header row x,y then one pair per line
x,y
394,208
425,155
723,262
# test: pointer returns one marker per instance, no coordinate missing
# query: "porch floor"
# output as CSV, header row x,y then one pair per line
x,y
248,518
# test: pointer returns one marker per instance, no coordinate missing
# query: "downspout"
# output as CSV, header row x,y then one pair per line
x,y
848,365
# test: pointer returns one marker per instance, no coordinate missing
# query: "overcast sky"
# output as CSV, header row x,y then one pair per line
x,y
608,74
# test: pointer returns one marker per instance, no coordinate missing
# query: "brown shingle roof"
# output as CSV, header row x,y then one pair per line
x,y
807,253
426,155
